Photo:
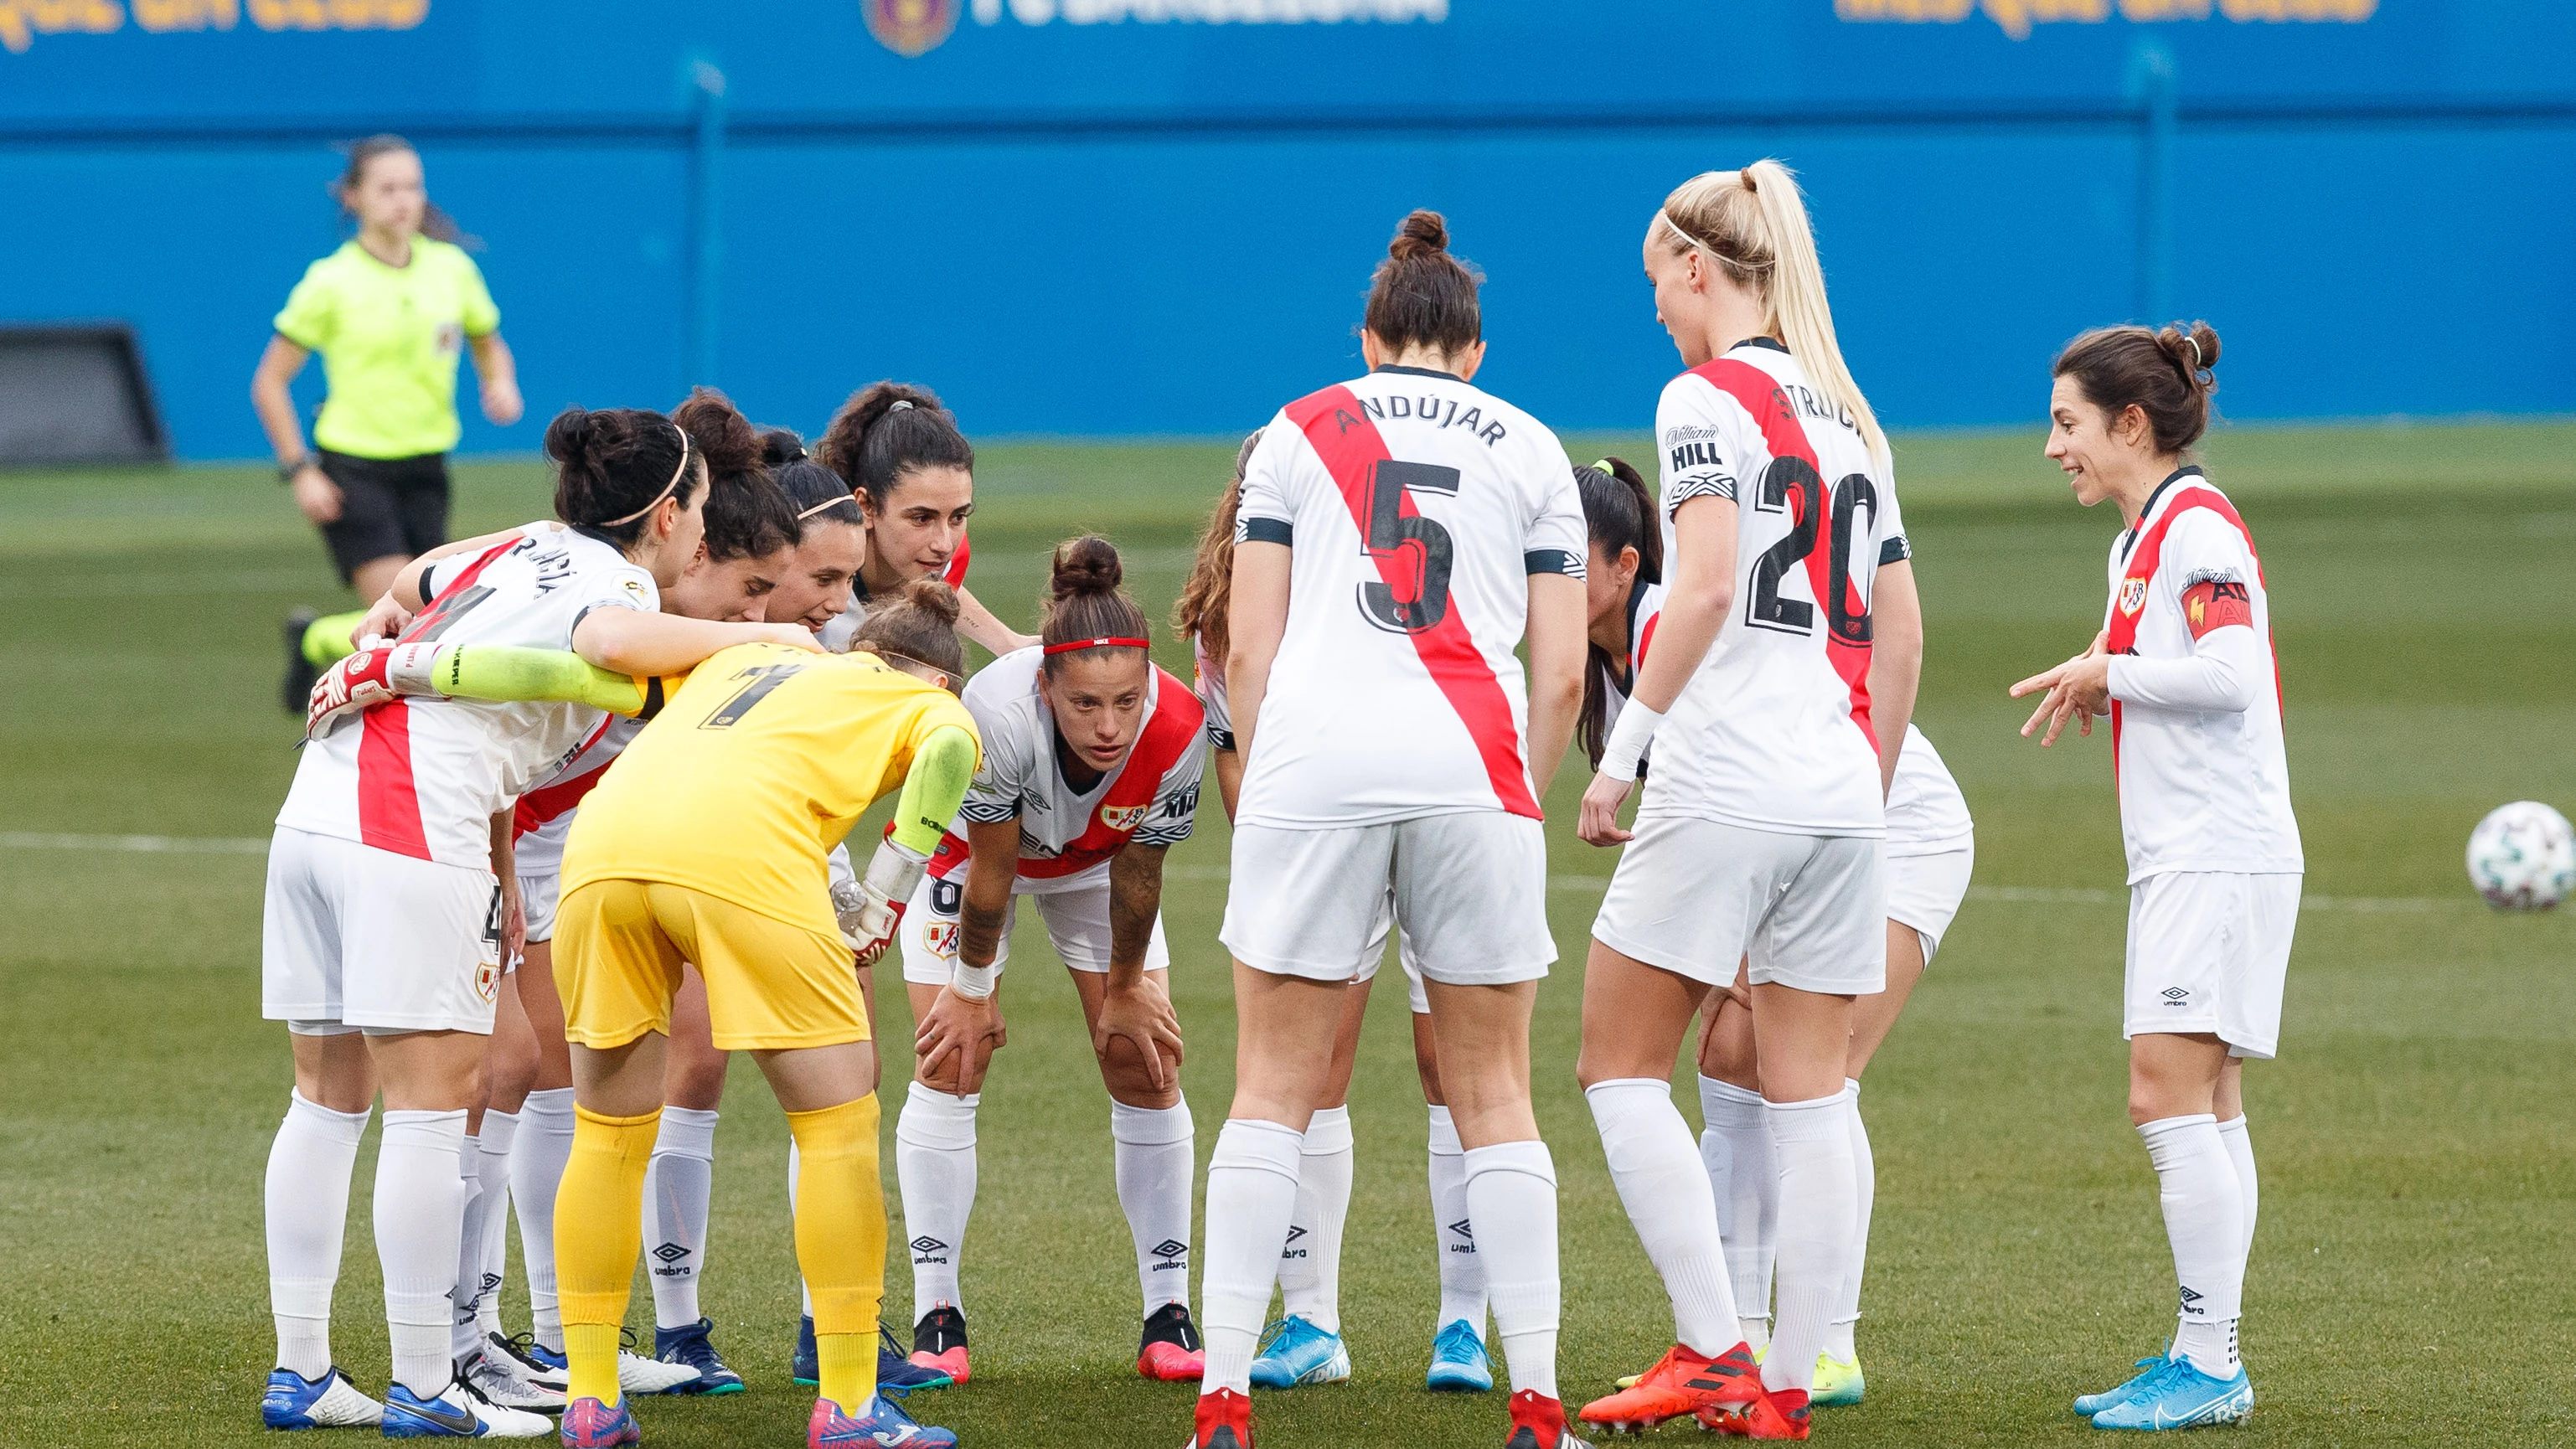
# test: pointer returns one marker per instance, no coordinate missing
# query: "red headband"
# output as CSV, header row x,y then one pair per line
x,y
1069,645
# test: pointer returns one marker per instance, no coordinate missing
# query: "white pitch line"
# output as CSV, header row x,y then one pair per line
x,y
184,844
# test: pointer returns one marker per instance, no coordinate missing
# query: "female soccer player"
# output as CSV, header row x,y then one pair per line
x,y
1092,761
707,845
914,473
389,312
1399,534
2184,667
1760,827
382,921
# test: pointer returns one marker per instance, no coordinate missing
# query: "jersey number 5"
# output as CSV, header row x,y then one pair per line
x,y
1789,479
1412,552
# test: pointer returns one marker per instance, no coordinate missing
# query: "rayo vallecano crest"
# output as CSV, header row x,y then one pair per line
x,y
2133,596
910,27
1122,817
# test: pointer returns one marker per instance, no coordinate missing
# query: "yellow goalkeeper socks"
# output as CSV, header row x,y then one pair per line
x,y
331,638
599,1228
841,1243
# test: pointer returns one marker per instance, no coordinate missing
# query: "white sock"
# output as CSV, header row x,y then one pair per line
x,y
1511,1195
934,1164
679,1183
1665,1189
1819,1200
308,1208
1838,1335
465,1294
1310,1266
536,1170
419,1218
500,1140
2240,1153
1744,1177
1462,1272
1155,1153
1251,1193
2204,1208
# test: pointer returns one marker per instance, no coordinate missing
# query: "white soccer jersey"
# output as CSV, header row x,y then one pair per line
x,y
1773,732
1417,506
1926,814
2196,699
546,809
842,629
1066,835
1211,692
423,777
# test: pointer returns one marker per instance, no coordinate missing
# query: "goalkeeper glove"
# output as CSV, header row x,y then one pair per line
x,y
871,908
368,678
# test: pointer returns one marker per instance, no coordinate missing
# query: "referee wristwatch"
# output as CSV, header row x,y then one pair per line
x,y
286,471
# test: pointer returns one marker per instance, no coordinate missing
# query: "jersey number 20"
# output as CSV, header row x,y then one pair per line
x,y
1766,609
1407,542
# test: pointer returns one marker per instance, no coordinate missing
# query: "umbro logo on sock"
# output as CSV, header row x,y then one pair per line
x,y
925,1246
2191,1297
670,1252
1464,1229
1168,1248
1290,1248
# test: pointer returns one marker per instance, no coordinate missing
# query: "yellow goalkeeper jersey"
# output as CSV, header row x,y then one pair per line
x,y
759,764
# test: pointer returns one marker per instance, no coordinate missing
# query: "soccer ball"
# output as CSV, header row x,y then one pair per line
x,y
2522,857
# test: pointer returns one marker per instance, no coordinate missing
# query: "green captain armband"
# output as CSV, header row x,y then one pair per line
x,y
509,672
942,768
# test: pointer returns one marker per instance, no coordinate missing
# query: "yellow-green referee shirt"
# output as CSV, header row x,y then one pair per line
x,y
389,339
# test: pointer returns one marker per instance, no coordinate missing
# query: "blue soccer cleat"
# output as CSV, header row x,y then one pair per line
x,y
329,1402
2087,1405
457,1412
2175,1395
1458,1361
880,1424
897,1375
1295,1352
693,1348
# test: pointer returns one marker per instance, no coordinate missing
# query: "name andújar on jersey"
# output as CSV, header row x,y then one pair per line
x,y
1429,409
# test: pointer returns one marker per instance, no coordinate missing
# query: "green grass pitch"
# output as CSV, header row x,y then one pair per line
x,y
2416,1264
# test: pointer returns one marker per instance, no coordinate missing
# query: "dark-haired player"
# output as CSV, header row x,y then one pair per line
x,y
1092,761
914,473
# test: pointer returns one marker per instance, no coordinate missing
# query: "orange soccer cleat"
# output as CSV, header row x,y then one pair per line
x,y
1681,1382
1777,1414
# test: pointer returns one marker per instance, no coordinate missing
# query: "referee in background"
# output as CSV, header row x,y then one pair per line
x,y
389,311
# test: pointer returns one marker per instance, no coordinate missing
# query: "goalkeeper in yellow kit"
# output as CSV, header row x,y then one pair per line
x,y
707,842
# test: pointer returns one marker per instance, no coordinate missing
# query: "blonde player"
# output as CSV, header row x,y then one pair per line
x,y
1399,535
383,919
1760,830
707,845
914,474
2184,667
1092,763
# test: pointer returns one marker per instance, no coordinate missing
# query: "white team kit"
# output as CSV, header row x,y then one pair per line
x,y
381,909
2214,858
1761,831
1392,751
1067,836
544,821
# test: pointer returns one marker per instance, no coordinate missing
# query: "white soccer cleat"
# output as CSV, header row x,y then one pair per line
x,y
329,1402
637,1374
501,1379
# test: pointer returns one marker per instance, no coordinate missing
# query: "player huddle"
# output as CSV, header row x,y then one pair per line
x,y
624,745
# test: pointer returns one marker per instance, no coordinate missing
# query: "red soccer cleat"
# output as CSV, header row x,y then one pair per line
x,y
939,1343
1681,1382
1539,1423
1224,1422
1778,1414
1170,1352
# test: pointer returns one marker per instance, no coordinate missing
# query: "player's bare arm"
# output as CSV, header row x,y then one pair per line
x,y
1256,622
1895,661
1136,1006
1555,635
965,1022
1702,595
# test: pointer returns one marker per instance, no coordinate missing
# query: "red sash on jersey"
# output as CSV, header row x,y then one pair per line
x,y
388,800
541,807
1348,443
954,576
2129,600
1758,393
1170,731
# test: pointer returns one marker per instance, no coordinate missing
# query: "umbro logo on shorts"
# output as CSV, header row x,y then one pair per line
x,y
2175,996
670,1252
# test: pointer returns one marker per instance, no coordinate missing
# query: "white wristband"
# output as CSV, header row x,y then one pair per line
x,y
1628,740
975,983
413,669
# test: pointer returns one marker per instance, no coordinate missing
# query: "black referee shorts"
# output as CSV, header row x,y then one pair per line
x,y
389,507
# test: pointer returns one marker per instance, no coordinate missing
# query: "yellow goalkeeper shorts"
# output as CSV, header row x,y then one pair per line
x,y
770,985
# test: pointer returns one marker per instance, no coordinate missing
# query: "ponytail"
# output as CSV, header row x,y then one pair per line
x,y
1209,594
1754,222
1618,514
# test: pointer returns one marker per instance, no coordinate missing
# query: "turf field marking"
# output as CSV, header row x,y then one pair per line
x,y
195,845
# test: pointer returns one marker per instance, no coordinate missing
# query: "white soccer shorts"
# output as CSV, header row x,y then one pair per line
x,y
1077,923
1467,889
383,942
1924,892
2209,951
539,896
1695,897
1375,956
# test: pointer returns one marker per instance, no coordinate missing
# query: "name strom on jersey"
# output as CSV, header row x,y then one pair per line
x,y
423,776
1066,835
1773,732
1416,506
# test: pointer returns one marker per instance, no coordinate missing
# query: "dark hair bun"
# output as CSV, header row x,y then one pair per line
x,y
1085,565
934,598
2193,346
780,447
722,435
1423,232
568,436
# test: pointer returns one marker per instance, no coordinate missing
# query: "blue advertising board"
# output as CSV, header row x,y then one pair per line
x,y
1158,216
